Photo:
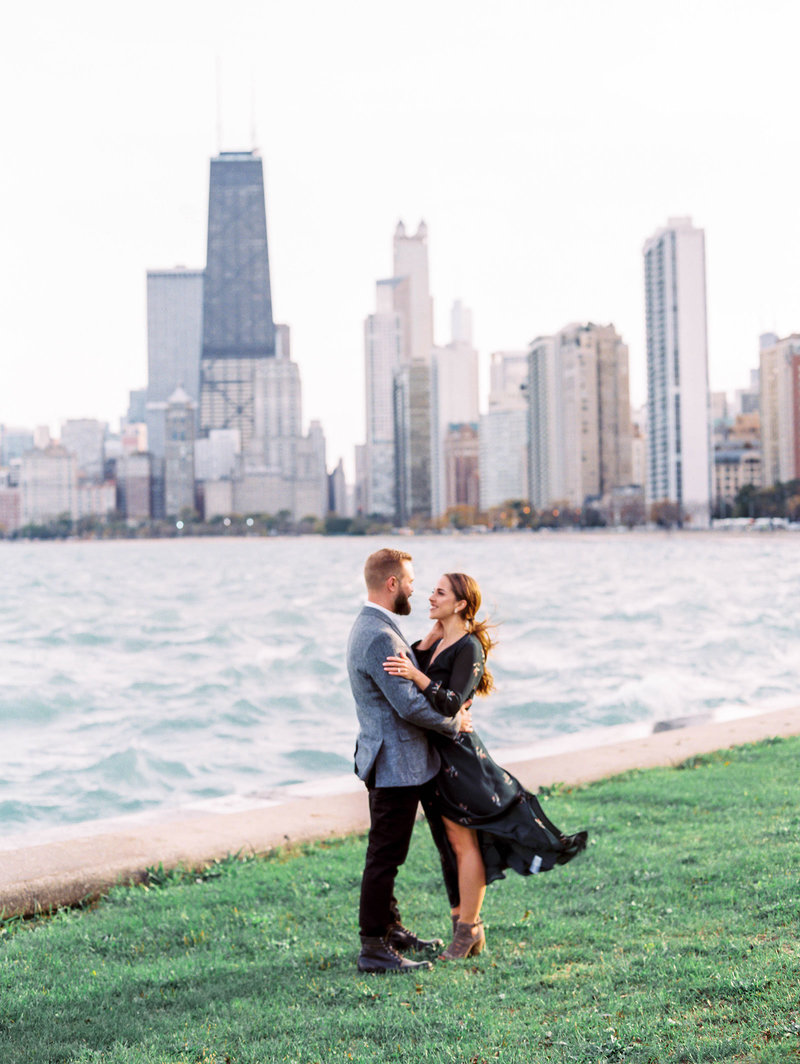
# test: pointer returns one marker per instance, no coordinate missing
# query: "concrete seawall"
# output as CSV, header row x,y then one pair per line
x,y
67,866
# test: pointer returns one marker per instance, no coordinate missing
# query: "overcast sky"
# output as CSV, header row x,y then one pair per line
x,y
541,142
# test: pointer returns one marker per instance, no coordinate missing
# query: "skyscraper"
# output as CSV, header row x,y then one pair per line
x,y
238,328
383,353
579,422
174,341
545,424
454,382
504,432
398,343
179,454
678,428
412,298
412,441
596,412
780,407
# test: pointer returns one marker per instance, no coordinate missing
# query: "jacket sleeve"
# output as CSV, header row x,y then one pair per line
x,y
447,698
403,696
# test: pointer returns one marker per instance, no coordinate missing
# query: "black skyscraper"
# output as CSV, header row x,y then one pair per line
x,y
238,329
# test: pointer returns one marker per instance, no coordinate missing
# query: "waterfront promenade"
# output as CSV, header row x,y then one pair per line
x,y
69,865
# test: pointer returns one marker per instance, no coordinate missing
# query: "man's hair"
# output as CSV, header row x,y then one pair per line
x,y
383,564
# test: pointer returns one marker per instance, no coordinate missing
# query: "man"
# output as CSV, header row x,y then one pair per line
x,y
393,756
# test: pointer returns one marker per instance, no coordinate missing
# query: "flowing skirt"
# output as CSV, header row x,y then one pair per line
x,y
513,829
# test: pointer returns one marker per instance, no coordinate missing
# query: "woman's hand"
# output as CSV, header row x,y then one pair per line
x,y
400,665
434,635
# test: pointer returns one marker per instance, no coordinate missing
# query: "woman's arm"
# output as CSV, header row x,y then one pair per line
x,y
464,677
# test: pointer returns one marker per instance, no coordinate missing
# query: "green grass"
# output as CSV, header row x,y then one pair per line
x,y
674,938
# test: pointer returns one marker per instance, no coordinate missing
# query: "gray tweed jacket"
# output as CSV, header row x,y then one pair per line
x,y
393,715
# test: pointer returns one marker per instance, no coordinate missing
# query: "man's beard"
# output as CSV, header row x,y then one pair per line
x,y
401,604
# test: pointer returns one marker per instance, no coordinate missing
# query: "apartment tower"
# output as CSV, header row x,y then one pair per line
x,y
678,426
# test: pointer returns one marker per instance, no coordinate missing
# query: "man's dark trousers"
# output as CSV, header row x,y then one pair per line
x,y
393,811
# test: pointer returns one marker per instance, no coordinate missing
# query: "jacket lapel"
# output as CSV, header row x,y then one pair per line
x,y
380,615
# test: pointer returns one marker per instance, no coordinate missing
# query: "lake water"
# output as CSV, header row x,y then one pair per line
x,y
149,675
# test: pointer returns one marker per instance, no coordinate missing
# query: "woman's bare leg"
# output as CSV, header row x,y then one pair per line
x,y
471,871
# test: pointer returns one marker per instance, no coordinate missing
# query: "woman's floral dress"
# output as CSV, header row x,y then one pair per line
x,y
472,789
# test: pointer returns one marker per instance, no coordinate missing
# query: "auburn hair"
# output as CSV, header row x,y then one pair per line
x,y
466,588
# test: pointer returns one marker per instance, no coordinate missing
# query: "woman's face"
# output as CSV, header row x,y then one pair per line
x,y
443,600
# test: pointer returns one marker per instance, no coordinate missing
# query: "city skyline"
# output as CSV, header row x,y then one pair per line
x,y
441,118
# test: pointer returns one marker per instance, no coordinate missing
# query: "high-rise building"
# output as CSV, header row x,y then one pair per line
x,y
174,341
639,446
454,384
412,434
462,467
10,507
179,454
85,438
460,323
360,490
503,455
134,486
398,342
137,407
545,424
679,446
384,347
596,412
504,432
412,296
580,439
48,485
748,399
780,408
508,377
337,492
215,455
238,328
14,442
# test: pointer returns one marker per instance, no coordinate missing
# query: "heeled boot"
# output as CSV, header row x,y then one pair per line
x,y
465,943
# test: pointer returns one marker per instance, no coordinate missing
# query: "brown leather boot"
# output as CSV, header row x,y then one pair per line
x,y
377,955
402,939
465,943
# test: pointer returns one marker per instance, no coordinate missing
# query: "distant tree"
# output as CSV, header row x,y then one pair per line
x,y
337,526
459,516
665,513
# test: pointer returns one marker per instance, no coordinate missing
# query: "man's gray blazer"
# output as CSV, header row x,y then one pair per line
x,y
393,715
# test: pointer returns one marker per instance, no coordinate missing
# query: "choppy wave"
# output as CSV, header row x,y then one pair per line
x,y
148,675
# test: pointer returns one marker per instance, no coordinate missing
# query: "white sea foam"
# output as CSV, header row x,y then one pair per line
x,y
144,676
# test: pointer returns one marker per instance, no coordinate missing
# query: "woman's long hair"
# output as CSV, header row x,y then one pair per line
x,y
464,587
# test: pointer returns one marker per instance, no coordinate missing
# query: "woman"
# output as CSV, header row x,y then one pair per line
x,y
491,821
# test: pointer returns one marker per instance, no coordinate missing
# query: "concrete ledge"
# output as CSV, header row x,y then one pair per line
x,y
85,861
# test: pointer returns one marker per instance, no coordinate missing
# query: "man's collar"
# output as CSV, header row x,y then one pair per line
x,y
375,606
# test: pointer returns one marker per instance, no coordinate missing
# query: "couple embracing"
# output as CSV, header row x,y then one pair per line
x,y
416,745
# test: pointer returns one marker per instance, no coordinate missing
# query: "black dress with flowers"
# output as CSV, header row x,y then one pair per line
x,y
472,789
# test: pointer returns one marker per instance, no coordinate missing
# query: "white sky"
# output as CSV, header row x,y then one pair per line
x,y
542,142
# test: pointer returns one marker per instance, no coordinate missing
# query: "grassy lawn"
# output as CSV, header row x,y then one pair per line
x,y
674,938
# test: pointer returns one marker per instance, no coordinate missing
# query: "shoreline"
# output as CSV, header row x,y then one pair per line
x,y
84,861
